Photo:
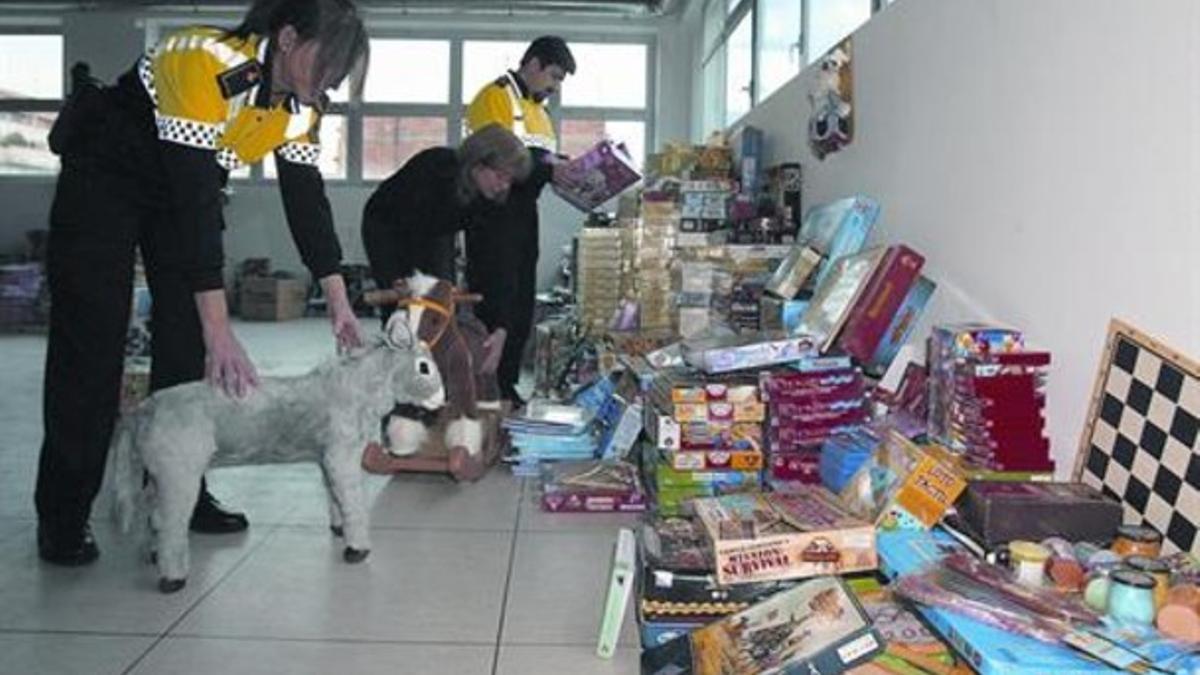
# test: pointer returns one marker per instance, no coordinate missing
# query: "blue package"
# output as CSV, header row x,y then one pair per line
x,y
991,651
838,229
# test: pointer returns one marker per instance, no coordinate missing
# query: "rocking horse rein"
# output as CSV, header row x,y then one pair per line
x,y
392,296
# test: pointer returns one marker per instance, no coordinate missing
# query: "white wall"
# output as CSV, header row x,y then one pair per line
x,y
1045,156
110,40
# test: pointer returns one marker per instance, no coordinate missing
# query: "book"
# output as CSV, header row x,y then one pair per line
x,y
815,627
599,174
620,585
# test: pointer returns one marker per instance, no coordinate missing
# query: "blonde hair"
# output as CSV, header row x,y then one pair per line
x,y
495,147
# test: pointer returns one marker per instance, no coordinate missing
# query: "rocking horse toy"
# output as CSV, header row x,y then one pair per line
x,y
463,437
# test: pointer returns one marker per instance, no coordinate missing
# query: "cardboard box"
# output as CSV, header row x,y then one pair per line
x,y
999,512
272,299
764,537
886,291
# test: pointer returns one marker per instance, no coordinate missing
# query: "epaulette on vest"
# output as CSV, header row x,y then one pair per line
x,y
240,79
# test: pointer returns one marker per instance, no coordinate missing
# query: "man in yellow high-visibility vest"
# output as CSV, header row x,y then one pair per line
x,y
502,250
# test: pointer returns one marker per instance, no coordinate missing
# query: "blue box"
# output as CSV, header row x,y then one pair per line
x,y
902,326
747,157
655,633
838,229
991,651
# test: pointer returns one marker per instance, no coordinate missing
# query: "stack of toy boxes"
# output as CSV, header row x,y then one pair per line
x,y
706,436
599,261
804,410
653,252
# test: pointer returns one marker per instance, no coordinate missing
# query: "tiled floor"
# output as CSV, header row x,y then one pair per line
x,y
462,579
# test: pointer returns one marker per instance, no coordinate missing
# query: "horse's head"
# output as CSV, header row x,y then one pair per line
x,y
425,309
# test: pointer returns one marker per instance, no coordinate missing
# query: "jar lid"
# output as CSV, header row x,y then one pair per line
x,y
1133,578
1139,533
1142,563
1028,551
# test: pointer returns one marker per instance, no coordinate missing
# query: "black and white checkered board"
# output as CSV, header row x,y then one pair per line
x,y
1139,445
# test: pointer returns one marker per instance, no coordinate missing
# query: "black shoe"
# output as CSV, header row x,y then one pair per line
x,y
514,399
209,518
73,548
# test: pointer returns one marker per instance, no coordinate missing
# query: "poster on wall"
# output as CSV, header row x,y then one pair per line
x,y
831,122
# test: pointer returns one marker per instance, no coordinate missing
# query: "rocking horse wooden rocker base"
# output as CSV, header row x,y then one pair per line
x,y
463,438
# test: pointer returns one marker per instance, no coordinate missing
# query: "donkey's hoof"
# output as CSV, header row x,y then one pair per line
x,y
171,585
355,555
337,530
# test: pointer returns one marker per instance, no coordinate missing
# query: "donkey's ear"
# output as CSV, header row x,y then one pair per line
x,y
397,332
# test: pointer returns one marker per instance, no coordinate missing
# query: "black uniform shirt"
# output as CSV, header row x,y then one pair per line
x,y
411,219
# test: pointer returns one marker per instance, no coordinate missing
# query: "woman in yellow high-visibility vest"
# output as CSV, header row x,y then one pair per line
x,y
144,162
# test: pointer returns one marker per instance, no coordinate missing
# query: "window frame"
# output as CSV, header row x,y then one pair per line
x,y
18,26
718,49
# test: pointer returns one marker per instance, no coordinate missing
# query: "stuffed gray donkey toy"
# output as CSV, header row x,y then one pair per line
x,y
162,448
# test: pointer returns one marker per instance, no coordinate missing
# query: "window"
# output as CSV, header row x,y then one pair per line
x,y
485,60
743,61
739,70
831,20
389,142
607,76
779,55
408,71
31,91
332,162
580,134
714,105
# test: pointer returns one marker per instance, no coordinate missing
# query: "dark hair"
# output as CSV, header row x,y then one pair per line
x,y
492,146
550,50
334,24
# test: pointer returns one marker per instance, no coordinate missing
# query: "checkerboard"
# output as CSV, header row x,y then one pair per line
x,y
1139,444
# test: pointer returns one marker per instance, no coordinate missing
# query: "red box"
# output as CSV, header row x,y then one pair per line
x,y
803,467
871,315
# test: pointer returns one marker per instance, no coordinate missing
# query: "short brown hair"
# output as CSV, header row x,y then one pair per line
x,y
492,146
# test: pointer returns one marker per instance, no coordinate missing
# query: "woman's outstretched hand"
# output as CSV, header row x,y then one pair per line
x,y
346,329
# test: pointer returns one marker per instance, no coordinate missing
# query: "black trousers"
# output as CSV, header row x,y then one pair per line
x,y
106,206
502,255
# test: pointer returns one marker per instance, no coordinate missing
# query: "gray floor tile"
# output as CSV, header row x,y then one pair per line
x,y
275,494
67,654
432,501
189,656
12,531
417,585
576,659
559,582
116,594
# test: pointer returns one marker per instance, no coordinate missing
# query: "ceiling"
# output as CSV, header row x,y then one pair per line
x,y
623,8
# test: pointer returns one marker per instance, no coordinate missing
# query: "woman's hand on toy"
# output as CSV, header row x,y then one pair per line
x,y
493,348
225,362
346,329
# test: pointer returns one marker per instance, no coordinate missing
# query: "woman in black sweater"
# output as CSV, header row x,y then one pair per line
x,y
410,221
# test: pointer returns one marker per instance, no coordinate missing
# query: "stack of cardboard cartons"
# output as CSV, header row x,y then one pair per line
x,y
654,247
272,298
600,275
